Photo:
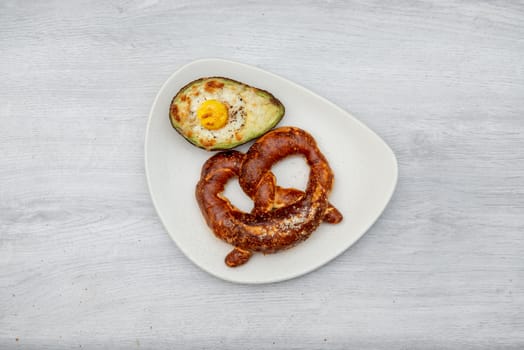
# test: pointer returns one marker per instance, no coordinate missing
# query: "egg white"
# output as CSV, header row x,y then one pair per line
x,y
237,113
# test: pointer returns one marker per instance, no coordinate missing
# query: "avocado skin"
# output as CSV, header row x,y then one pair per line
x,y
219,147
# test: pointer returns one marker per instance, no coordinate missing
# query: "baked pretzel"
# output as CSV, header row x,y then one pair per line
x,y
281,217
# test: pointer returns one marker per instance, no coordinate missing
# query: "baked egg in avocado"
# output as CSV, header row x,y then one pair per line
x,y
220,113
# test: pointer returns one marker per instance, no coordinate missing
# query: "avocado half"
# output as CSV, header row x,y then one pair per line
x,y
252,112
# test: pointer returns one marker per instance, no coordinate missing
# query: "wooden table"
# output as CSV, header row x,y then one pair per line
x,y
85,262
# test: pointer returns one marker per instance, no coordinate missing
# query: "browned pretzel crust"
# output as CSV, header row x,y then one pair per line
x,y
281,218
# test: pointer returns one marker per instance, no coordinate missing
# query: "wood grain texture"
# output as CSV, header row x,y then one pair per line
x,y
85,263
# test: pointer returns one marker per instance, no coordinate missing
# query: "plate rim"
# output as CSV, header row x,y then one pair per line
x,y
297,86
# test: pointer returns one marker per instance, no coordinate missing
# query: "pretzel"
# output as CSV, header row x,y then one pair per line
x,y
281,217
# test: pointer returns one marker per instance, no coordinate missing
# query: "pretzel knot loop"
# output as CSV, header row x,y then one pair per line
x,y
281,217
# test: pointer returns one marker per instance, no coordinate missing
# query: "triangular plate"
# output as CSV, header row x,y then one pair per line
x,y
365,176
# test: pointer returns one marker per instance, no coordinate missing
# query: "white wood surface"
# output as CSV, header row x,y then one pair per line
x,y
85,262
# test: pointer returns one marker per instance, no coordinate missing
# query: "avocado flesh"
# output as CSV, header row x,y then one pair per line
x,y
261,111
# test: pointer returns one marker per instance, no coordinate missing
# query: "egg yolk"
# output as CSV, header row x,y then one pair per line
x,y
212,114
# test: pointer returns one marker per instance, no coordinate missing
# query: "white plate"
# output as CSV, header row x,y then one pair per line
x,y
365,176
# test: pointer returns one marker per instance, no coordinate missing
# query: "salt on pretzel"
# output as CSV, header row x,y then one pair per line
x,y
281,218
